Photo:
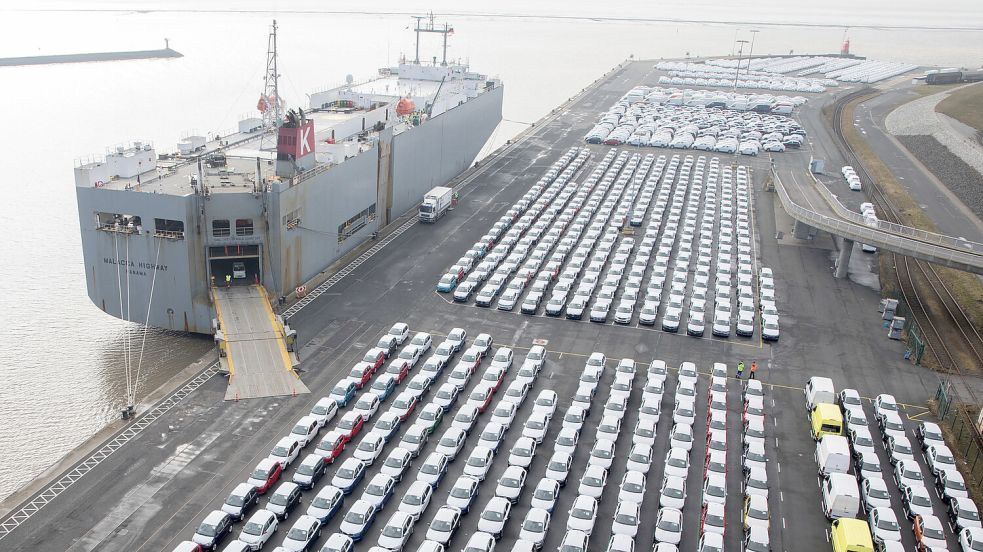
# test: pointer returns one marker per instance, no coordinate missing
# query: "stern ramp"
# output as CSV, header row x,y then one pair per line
x,y
254,345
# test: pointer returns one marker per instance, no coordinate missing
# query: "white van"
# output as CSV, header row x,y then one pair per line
x,y
833,454
841,496
782,109
819,390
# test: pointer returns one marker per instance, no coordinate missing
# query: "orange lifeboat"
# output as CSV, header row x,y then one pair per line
x,y
262,105
405,106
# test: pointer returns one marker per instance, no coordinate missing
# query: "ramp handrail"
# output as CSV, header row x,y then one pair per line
x,y
874,236
894,228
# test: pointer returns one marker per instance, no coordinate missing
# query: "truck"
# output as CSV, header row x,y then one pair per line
x,y
436,202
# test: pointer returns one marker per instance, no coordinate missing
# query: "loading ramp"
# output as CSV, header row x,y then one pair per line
x,y
254,344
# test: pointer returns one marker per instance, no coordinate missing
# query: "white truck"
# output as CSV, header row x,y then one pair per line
x,y
436,202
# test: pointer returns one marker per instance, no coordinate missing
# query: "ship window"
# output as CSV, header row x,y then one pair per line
x,y
356,223
169,227
244,227
119,222
220,228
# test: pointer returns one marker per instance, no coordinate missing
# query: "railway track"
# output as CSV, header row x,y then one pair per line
x,y
949,335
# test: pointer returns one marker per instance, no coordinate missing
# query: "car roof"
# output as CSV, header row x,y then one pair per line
x,y
214,517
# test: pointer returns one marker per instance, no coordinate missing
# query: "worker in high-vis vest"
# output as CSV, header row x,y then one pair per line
x,y
740,369
754,369
228,280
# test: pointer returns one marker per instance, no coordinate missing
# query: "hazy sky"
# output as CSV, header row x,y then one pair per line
x,y
873,13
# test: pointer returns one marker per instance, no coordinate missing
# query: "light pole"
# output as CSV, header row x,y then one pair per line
x,y
734,45
739,54
754,33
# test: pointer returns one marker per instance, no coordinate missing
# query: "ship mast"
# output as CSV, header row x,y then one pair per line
x,y
430,27
273,114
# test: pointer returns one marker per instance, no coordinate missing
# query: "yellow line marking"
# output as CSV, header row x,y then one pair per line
x,y
763,382
281,337
927,411
221,321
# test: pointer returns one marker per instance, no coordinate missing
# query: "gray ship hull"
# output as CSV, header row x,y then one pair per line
x,y
296,229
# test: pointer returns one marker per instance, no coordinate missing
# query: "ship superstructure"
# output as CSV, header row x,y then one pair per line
x,y
274,204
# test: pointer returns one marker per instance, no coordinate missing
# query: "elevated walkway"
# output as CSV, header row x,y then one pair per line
x,y
254,345
810,202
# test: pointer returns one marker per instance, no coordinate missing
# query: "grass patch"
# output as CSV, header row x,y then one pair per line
x,y
965,287
929,89
965,105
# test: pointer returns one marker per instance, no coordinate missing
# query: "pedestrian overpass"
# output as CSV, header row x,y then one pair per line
x,y
812,204
255,346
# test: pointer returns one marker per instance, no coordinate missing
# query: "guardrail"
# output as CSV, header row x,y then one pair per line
x,y
898,229
874,236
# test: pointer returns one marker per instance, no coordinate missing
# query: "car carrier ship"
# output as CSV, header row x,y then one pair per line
x,y
270,206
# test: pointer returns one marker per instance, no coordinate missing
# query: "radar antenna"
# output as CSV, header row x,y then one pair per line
x,y
270,103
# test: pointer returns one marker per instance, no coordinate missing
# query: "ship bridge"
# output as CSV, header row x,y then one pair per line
x,y
255,346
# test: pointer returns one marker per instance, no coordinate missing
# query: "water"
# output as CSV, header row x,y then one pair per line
x,y
62,358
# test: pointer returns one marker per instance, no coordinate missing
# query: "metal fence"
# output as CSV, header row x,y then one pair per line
x,y
958,418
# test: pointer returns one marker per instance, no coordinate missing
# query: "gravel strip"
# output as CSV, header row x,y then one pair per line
x,y
962,179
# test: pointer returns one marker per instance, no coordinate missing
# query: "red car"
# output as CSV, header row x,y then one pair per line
x,y
361,374
331,446
266,474
404,404
493,375
375,356
399,368
350,424
482,396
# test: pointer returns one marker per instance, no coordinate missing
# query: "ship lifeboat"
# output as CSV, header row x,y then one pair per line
x,y
405,106
262,105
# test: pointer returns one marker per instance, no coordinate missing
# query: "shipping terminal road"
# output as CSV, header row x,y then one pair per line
x,y
154,489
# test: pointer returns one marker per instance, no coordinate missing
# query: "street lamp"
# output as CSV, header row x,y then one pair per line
x,y
754,33
739,54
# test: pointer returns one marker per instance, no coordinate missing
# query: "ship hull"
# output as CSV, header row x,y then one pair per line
x,y
297,229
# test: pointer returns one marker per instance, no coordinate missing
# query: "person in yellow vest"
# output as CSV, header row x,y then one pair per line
x,y
740,369
228,280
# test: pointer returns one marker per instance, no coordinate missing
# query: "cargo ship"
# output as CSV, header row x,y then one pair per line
x,y
276,202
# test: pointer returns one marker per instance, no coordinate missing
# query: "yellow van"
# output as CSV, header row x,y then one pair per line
x,y
826,420
851,535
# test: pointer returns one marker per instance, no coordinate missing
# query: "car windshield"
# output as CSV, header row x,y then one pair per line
x,y
442,525
510,482
969,514
340,390
503,411
346,473
493,515
668,525
633,487
593,481
322,502
413,499
280,451
355,517
533,526
367,446
521,451
235,500
582,513
673,492
921,500
535,424
757,514
448,442
714,490
936,533
955,485
252,528
297,534
878,493
319,410
207,530
430,469
545,494
887,524
279,499
461,492
444,394
376,490
393,531
306,469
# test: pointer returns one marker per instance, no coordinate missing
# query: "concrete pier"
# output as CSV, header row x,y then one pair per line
x,y
843,260
96,56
